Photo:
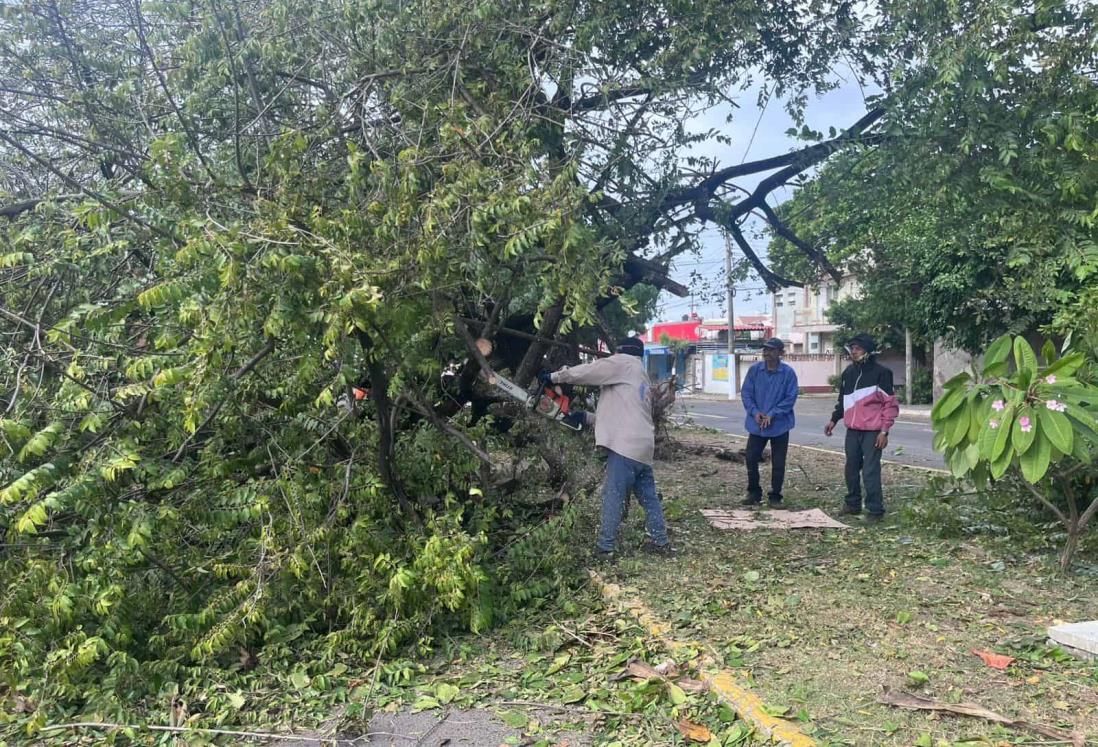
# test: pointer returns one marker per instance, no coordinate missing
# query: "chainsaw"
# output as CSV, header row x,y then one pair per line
x,y
547,400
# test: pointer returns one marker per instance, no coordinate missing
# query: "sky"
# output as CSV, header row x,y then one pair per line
x,y
837,108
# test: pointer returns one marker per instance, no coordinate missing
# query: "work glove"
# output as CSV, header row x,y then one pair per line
x,y
546,378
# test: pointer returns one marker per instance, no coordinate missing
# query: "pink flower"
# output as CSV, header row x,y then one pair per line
x,y
1025,424
998,405
1050,379
993,424
1055,405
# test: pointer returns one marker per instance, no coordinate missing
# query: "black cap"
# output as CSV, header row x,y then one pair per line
x,y
864,341
631,346
775,343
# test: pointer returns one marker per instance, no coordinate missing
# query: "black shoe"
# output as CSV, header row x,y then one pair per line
x,y
603,557
874,518
848,510
751,501
665,551
775,502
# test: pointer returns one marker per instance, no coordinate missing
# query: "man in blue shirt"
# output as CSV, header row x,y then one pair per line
x,y
769,393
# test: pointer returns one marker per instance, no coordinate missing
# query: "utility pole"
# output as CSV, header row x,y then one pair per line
x,y
909,368
733,369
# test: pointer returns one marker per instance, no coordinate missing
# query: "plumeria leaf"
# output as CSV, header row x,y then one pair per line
x,y
956,428
1048,353
947,404
1000,465
998,351
1057,427
1066,366
1024,357
1024,430
1035,461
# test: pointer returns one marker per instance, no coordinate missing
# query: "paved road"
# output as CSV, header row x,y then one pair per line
x,y
909,441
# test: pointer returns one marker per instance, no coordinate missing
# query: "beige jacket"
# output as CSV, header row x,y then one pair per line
x,y
623,418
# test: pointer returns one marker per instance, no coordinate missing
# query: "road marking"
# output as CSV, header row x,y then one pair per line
x,y
707,415
722,682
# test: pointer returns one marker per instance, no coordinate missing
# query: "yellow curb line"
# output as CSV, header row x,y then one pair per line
x,y
720,681
935,470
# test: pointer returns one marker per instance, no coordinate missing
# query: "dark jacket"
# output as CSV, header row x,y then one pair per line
x,y
867,400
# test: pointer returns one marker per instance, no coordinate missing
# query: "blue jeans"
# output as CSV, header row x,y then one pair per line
x,y
623,473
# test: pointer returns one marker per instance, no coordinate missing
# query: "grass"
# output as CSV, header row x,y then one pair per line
x,y
822,622
818,622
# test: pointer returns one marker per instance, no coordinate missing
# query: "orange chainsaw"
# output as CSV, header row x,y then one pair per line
x,y
546,400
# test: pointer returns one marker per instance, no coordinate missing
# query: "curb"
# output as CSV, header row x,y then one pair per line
x,y
833,452
721,682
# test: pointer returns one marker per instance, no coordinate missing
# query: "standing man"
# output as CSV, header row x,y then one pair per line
x,y
623,426
769,393
867,405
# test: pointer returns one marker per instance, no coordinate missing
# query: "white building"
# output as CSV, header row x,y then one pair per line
x,y
800,314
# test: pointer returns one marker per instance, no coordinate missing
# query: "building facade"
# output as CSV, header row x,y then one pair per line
x,y
800,314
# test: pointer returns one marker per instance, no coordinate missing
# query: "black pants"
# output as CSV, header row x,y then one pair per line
x,y
863,460
779,447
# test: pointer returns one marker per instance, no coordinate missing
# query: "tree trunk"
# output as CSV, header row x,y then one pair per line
x,y
534,354
1069,548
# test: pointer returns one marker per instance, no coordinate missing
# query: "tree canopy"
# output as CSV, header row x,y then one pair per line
x,y
220,217
976,216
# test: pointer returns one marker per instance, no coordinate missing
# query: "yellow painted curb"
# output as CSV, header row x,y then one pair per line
x,y
721,682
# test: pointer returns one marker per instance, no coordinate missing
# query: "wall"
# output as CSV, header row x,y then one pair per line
x,y
948,362
715,372
812,371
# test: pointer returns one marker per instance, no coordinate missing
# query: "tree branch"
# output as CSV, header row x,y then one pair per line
x,y
787,233
102,199
772,280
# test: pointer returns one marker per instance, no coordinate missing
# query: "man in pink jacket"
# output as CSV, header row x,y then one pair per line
x,y
867,405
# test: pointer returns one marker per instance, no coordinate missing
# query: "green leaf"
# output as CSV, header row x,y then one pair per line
x,y
576,694
514,719
446,693
956,428
558,664
1081,416
1002,463
236,700
1034,463
949,402
1024,358
1048,353
918,678
997,351
425,703
955,381
1024,430
1066,366
675,693
1057,427
299,679
1002,433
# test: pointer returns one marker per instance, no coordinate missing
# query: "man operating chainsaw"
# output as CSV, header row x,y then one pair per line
x,y
623,426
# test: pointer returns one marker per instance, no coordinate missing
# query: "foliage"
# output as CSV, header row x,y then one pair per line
x,y
976,215
1034,420
922,386
218,219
